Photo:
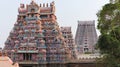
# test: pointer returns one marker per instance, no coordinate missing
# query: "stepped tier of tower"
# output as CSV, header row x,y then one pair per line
x,y
36,36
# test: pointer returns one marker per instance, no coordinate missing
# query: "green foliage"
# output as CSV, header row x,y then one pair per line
x,y
109,40
110,48
106,43
105,17
88,53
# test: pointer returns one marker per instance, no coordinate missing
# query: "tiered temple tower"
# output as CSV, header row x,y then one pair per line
x,y
36,38
86,37
67,34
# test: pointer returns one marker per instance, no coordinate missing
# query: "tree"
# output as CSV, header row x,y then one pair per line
x,y
109,40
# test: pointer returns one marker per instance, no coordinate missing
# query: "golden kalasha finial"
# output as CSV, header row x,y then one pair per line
x,y
32,0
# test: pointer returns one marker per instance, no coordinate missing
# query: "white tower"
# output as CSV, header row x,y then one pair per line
x,y
113,1
86,37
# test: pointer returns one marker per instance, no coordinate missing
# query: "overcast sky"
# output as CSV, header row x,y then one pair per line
x,y
68,12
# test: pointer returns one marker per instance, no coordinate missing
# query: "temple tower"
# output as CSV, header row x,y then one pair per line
x,y
67,34
86,37
36,39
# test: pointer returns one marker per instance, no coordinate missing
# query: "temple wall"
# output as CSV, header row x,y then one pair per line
x,y
67,65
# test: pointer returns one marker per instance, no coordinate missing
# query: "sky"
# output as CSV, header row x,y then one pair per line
x,y
68,12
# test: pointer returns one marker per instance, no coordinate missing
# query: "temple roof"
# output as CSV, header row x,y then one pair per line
x,y
7,62
43,8
87,22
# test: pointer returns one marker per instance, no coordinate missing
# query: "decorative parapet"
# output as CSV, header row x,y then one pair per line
x,y
86,58
89,56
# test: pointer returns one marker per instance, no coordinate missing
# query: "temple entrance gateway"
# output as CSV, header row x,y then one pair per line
x,y
36,39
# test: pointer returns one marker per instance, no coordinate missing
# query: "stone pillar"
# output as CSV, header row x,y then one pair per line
x,y
29,57
25,56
